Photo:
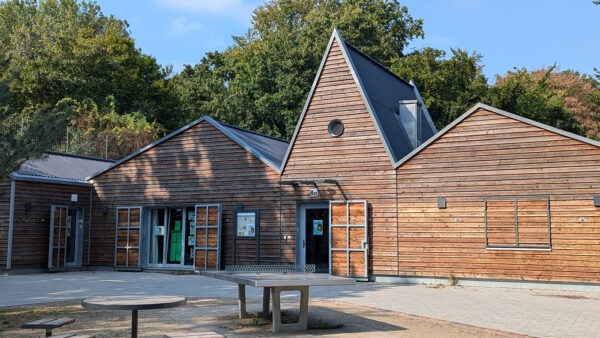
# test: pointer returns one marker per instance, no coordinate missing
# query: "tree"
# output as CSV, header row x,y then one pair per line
x,y
531,95
57,50
262,81
449,87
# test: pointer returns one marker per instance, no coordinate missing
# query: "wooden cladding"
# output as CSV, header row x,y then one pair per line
x,y
127,251
517,223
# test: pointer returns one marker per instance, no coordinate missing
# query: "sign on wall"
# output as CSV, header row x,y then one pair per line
x,y
246,224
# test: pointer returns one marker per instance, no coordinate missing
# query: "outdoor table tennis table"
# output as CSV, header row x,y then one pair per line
x,y
274,280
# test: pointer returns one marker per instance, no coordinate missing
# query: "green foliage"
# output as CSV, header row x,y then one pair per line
x,y
101,132
52,50
449,87
521,93
29,135
262,81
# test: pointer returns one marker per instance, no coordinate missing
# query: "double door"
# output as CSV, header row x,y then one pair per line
x,y
334,237
66,237
172,238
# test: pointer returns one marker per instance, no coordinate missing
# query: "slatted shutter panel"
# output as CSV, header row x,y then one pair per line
x,y
208,237
348,233
127,252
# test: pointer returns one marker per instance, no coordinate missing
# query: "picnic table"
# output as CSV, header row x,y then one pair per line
x,y
133,303
274,279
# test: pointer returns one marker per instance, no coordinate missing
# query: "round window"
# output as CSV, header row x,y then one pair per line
x,y
335,128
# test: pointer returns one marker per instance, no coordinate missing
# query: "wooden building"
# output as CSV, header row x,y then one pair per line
x,y
366,188
44,213
498,196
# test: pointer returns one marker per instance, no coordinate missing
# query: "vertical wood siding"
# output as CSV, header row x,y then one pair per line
x,y
489,155
198,166
357,160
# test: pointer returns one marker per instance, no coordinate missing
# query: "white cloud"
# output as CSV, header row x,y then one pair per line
x,y
183,25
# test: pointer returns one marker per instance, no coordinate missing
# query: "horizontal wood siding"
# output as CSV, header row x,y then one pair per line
x,y
357,160
199,166
488,155
4,218
32,228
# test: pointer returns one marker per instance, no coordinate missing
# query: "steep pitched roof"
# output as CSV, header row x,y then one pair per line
x,y
268,149
382,92
499,112
63,168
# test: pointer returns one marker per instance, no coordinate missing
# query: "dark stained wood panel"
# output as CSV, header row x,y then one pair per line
x,y
32,228
199,166
489,155
4,219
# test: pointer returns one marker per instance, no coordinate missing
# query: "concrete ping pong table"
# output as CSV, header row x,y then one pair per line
x,y
275,279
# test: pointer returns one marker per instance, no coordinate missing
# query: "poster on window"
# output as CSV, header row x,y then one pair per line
x,y
318,227
246,224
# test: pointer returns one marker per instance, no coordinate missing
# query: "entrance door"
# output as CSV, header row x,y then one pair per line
x,y
172,237
66,237
314,236
349,239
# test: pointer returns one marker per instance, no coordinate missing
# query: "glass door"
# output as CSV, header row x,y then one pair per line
x,y
172,237
158,221
175,236
66,236
313,239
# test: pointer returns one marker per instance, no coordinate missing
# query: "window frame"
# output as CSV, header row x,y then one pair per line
x,y
517,245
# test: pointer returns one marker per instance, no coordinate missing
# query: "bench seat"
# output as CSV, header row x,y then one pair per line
x,y
48,324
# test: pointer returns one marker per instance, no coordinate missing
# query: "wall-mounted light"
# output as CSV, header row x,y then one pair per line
x,y
441,202
597,200
104,210
28,207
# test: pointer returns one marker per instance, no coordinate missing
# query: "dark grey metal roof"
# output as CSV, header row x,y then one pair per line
x,y
270,148
60,168
384,90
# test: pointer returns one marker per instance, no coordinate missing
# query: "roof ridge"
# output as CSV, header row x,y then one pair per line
x,y
85,157
250,131
375,62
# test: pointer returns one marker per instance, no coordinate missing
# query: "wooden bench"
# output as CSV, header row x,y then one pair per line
x,y
206,334
47,324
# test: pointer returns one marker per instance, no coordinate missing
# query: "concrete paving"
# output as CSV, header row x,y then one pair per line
x,y
533,312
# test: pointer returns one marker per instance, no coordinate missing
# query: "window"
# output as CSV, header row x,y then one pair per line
x,y
517,223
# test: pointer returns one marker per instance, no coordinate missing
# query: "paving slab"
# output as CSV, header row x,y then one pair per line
x,y
532,312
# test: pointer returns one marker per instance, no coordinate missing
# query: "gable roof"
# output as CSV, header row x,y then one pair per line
x,y
479,106
269,150
382,92
54,167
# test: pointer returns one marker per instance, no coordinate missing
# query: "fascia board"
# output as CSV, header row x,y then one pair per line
x,y
29,178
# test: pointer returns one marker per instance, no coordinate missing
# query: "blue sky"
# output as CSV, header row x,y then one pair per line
x,y
508,33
